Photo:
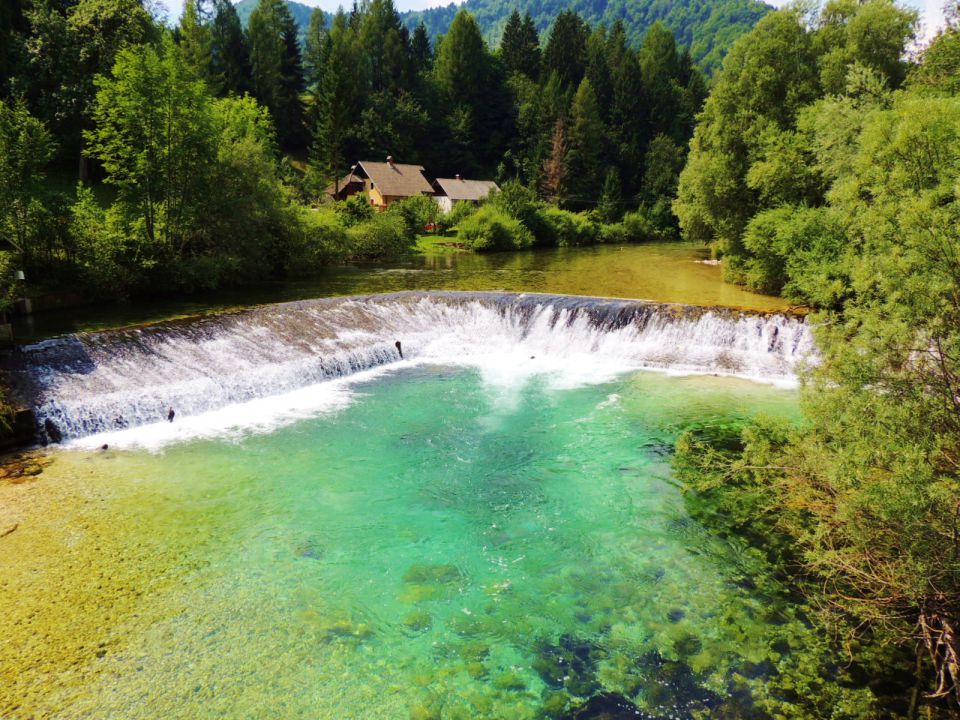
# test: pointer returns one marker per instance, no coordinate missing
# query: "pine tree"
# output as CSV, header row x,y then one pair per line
x,y
460,68
340,101
193,41
520,46
277,69
598,70
586,156
566,51
229,53
421,52
386,46
610,206
315,50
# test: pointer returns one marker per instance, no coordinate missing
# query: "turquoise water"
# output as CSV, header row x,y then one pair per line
x,y
441,547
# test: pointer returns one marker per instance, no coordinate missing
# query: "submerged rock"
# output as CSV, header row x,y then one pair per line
x,y
422,574
607,706
418,621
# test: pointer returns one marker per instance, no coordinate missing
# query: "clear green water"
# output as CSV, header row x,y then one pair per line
x,y
441,548
664,272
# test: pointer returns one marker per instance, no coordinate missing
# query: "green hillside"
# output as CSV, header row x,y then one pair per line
x,y
708,27
300,12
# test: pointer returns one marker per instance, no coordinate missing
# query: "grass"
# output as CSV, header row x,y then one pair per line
x,y
432,244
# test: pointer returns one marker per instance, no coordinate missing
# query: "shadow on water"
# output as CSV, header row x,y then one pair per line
x,y
663,272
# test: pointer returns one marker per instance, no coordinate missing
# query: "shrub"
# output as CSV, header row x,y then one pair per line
x,y
383,235
492,229
416,213
613,234
354,210
458,213
638,227
568,229
322,240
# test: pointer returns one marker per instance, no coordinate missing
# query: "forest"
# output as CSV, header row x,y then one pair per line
x,y
825,167
143,159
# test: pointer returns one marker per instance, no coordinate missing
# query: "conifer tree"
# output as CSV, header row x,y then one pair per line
x,y
520,46
339,102
586,156
315,50
566,51
277,69
421,52
194,41
385,45
230,55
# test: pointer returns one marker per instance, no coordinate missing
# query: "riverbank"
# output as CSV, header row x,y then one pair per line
x,y
660,272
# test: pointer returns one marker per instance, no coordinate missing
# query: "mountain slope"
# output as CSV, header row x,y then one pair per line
x,y
707,27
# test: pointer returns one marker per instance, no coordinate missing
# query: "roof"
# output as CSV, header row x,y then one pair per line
x,y
461,189
346,180
397,180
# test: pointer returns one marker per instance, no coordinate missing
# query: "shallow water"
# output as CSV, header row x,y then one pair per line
x,y
663,272
438,542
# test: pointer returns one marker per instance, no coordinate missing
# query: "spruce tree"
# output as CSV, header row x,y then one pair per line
x,y
586,156
340,101
194,42
421,52
566,51
277,69
315,50
230,55
386,47
520,46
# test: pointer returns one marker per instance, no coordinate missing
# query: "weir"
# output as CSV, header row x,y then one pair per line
x,y
89,383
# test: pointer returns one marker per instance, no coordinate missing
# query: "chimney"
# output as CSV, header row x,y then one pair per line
x,y
458,177
390,160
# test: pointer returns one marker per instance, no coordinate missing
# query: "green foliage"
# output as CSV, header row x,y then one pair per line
x,y
229,66
490,229
384,235
709,29
520,46
354,210
586,169
458,213
154,137
26,147
416,213
569,229
277,69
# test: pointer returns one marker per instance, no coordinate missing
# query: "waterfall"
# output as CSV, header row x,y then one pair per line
x,y
92,383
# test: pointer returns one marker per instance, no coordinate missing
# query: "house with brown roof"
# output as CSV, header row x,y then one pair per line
x,y
383,183
449,191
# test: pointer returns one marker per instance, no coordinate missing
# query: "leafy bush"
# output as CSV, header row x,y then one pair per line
x,y
322,240
492,229
639,227
416,213
354,210
384,235
569,229
613,234
458,213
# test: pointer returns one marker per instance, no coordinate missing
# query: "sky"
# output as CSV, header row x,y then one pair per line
x,y
931,11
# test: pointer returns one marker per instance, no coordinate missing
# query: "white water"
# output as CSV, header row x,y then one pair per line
x,y
261,367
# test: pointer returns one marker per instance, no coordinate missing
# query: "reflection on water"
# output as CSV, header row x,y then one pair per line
x,y
665,272
436,550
